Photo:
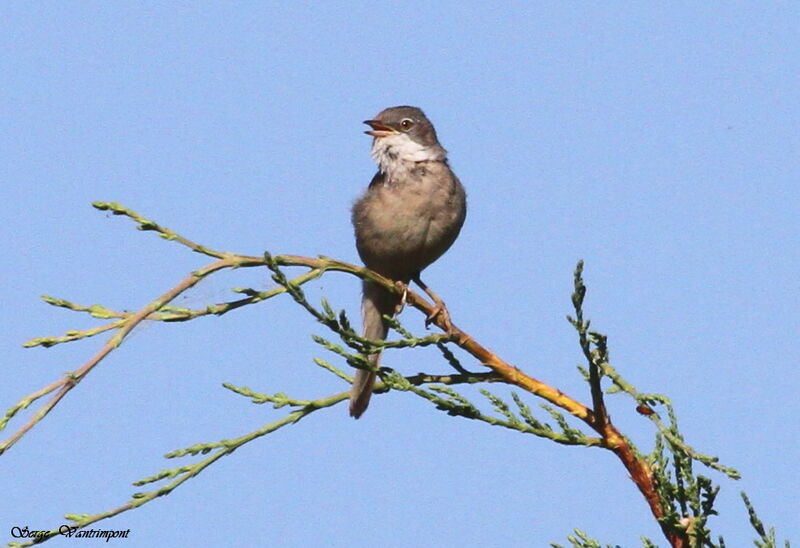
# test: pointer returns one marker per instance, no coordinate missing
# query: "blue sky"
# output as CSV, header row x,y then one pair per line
x,y
658,143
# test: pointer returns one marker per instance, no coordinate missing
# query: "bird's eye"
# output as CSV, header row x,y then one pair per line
x,y
406,124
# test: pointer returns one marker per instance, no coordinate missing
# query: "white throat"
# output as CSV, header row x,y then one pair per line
x,y
397,153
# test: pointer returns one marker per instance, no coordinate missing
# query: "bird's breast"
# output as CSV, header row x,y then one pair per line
x,y
404,224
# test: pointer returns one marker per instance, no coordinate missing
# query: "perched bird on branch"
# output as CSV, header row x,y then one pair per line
x,y
409,216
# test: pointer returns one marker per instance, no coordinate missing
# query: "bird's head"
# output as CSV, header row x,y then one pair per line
x,y
409,121
403,134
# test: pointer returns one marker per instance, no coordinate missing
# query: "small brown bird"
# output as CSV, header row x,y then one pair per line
x,y
409,216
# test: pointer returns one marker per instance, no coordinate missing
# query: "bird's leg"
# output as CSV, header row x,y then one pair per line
x,y
439,308
402,286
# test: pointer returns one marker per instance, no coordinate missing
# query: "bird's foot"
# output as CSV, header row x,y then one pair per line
x,y
402,286
440,311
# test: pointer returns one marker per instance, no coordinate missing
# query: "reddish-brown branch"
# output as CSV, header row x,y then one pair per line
x,y
637,468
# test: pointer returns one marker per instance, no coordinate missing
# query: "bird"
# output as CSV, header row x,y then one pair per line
x,y
409,216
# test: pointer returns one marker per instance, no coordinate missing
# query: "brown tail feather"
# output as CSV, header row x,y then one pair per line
x,y
375,303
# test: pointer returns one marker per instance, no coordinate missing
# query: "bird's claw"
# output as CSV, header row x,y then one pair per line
x,y
440,311
402,286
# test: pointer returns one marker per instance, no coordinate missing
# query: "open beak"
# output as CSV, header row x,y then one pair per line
x,y
378,129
